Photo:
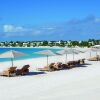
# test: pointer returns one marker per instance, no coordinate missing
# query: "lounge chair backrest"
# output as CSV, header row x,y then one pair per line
x,y
51,64
59,63
25,67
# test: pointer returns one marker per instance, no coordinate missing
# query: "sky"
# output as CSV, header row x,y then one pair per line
x,y
26,20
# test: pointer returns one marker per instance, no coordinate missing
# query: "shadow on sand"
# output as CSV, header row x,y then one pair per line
x,y
87,64
35,73
83,65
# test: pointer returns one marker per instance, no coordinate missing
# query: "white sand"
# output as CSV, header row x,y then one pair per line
x,y
81,83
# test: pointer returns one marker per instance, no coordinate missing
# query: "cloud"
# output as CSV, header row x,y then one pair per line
x,y
11,28
8,28
19,29
75,29
97,20
48,28
36,32
13,31
29,30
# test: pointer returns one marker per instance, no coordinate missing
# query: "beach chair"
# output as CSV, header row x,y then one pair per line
x,y
23,71
9,72
43,69
97,58
50,67
64,66
56,66
71,64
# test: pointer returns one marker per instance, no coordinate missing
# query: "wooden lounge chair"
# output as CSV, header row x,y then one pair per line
x,y
93,59
23,71
71,64
43,69
50,67
60,66
97,58
9,72
65,66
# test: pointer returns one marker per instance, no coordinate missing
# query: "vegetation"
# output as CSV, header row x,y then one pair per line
x,y
88,43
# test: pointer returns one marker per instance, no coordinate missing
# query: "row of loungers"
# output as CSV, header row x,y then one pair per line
x,y
12,71
61,66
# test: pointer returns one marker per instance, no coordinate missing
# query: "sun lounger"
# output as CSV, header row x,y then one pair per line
x,y
43,69
23,71
50,67
97,58
65,66
9,72
71,64
58,66
93,59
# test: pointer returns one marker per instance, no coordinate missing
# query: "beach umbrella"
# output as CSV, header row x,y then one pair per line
x,y
47,53
96,50
12,54
69,51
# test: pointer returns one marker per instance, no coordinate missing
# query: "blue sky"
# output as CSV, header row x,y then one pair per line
x,y
48,19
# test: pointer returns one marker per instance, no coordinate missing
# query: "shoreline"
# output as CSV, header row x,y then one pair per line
x,y
37,47
29,54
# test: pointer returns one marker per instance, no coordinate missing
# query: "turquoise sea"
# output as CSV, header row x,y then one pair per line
x,y
30,51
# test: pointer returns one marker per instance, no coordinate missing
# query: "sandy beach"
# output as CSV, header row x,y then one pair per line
x,y
80,83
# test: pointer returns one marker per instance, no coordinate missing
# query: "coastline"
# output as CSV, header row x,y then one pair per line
x,y
55,47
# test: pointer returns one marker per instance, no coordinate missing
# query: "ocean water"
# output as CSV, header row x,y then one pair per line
x,y
30,51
